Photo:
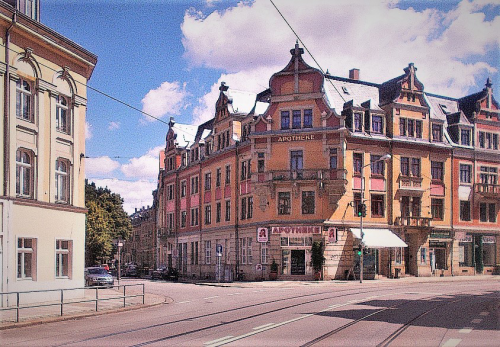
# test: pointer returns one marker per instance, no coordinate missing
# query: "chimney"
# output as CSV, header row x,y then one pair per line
x,y
354,74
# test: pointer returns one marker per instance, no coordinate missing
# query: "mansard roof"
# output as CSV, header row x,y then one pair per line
x,y
340,91
185,134
470,104
204,130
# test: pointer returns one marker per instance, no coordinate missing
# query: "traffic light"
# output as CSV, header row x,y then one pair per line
x,y
358,250
361,210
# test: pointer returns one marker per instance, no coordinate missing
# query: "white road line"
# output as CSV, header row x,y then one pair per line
x,y
452,342
484,313
183,302
218,340
465,330
476,321
211,297
263,326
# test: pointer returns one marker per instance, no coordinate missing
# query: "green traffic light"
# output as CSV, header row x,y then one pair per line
x,y
359,252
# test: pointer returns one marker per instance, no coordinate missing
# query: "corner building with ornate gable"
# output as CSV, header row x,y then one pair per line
x,y
274,172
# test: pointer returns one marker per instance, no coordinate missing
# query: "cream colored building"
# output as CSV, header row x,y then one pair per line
x,y
42,196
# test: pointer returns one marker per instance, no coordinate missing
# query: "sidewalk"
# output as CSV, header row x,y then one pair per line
x,y
110,300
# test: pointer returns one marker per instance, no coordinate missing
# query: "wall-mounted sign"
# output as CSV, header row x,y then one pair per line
x,y
262,235
296,230
440,234
461,236
293,138
332,235
489,239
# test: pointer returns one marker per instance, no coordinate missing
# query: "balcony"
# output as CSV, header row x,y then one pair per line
x,y
299,175
416,222
410,183
490,191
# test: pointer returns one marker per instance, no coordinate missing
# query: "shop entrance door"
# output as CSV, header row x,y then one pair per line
x,y
298,262
440,254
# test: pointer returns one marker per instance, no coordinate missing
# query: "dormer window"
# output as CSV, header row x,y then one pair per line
x,y
358,122
465,137
377,124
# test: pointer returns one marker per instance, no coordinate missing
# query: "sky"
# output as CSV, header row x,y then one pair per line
x,y
168,58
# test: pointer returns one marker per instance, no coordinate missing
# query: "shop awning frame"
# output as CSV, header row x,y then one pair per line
x,y
378,238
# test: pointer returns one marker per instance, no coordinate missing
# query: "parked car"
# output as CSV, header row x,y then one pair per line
x,y
170,274
158,273
98,276
131,271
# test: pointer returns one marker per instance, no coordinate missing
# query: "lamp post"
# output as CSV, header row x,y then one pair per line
x,y
384,158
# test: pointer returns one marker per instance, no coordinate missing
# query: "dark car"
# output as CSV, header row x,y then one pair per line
x,y
158,273
98,276
170,274
131,271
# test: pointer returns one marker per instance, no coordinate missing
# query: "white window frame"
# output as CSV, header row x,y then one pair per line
x,y
62,180
64,248
208,252
24,173
22,251
63,118
24,100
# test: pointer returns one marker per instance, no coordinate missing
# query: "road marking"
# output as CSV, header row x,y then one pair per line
x,y
476,321
211,297
263,326
183,302
484,313
465,330
218,340
452,342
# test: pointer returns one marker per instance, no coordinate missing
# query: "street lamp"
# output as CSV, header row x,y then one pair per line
x,y
385,157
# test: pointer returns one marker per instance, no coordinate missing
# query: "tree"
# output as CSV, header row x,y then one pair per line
x,y
106,220
317,257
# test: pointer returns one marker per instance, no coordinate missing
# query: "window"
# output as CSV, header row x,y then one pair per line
x,y
228,174
495,141
377,205
184,159
487,212
296,160
62,118
283,203
308,116
358,122
208,214
357,202
170,192
170,221
62,180
437,170
208,181
208,252
377,165
245,170
183,188
285,119
218,177
264,252
250,207
183,219
218,212
333,158
488,141
411,128
308,203
405,206
24,101
377,124
296,119
24,173
465,173
415,167
26,258
243,208
261,163
416,204
437,132
63,258
246,250
405,166
481,139
194,216
418,129
194,185
423,255
437,210
402,126
228,210
357,163
465,210
465,137
488,175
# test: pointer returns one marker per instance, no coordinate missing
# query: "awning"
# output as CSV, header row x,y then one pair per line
x,y
378,238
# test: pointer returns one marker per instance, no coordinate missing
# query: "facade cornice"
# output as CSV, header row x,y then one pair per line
x,y
295,97
46,205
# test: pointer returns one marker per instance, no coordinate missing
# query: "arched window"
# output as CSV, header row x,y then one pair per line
x,y
24,173
24,100
62,116
62,180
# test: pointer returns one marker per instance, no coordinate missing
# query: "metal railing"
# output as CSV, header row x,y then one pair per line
x,y
61,302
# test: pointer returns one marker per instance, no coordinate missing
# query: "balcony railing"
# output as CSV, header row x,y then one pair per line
x,y
410,183
419,222
487,190
296,175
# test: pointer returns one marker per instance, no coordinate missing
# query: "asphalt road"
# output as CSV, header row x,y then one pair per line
x,y
441,312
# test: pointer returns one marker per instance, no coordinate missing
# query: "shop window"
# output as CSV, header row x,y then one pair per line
x,y
437,170
489,251
62,180
285,119
308,202
423,255
26,258
208,214
465,211
64,250
62,116
284,203
24,100
398,256
465,173
228,210
24,173
465,253
377,205
437,209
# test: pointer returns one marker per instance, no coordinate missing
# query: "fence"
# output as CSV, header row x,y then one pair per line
x,y
92,297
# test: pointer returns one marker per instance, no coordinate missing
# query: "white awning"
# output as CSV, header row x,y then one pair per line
x,y
378,238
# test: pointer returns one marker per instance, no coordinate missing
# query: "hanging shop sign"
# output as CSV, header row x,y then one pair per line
x,y
262,234
296,230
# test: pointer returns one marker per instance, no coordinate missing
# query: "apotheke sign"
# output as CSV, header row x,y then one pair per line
x,y
292,138
296,230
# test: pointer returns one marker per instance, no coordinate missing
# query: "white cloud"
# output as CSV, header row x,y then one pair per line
x,y
144,167
88,131
113,126
100,166
167,99
135,194
453,50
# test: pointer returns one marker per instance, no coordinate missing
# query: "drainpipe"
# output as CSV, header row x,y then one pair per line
x,y
6,138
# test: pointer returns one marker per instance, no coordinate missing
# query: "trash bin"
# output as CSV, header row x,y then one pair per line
x,y
396,273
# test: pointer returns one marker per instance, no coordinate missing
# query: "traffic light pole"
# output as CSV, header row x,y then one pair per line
x,y
362,245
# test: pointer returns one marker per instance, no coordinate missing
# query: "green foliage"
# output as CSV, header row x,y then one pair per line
x,y
106,220
317,257
274,266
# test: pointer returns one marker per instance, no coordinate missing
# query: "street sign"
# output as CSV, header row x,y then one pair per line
x,y
258,267
218,250
262,235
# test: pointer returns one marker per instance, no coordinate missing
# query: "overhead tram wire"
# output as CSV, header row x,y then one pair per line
x,y
303,44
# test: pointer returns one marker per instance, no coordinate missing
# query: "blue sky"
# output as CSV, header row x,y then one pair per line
x,y
168,58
